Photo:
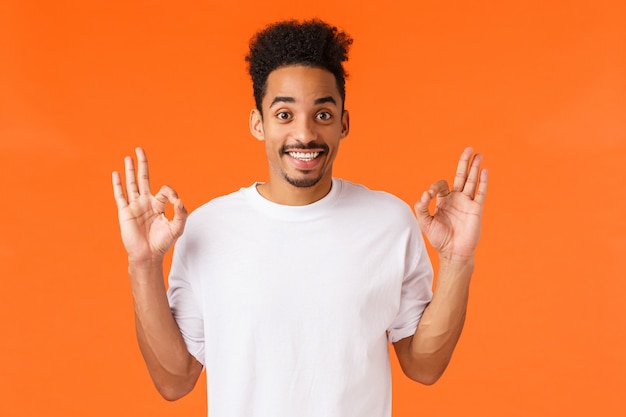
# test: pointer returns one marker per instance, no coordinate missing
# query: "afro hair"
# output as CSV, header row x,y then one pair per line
x,y
311,43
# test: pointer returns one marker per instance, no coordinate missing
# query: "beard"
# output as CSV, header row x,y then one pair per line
x,y
302,182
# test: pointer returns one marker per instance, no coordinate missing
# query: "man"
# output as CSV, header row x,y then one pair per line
x,y
289,291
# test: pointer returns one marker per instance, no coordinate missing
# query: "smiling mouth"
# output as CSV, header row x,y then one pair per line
x,y
305,153
304,156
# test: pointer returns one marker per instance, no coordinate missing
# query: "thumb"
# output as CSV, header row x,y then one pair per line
x,y
180,217
422,214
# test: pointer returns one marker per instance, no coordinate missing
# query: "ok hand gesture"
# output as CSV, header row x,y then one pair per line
x,y
146,233
454,228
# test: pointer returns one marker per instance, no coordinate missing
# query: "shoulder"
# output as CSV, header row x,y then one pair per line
x,y
219,206
381,204
357,193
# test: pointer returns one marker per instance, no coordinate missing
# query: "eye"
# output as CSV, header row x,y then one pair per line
x,y
283,115
324,115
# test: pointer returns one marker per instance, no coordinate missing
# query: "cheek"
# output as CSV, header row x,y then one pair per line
x,y
275,133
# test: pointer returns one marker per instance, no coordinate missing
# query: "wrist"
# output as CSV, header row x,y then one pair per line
x,y
455,264
140,266
456,258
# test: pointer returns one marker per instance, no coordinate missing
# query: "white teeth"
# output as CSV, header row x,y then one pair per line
x,y
304,156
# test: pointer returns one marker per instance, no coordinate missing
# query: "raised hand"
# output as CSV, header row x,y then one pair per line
x,y
454,227
146,233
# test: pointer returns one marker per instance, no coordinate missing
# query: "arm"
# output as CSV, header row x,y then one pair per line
x,y
453,230
147,236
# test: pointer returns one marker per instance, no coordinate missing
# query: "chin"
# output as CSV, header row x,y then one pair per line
x,y
303,182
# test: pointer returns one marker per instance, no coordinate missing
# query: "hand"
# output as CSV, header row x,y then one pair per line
x,y
146,233
454,228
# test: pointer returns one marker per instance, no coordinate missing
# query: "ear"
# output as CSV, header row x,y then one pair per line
x,y
345,124
256,124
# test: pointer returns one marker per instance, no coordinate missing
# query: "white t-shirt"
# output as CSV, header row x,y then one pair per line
x,y
290,308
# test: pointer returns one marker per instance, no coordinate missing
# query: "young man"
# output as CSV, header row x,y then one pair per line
x,y
289,291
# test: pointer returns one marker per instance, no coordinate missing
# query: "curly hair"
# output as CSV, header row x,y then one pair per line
x,y
312,43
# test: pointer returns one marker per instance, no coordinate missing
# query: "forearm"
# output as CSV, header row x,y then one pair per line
x,y
172,368
425,356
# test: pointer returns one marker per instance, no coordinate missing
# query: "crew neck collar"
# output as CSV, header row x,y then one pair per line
x,y
294,213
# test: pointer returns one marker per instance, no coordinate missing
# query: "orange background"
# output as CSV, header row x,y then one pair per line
x,y
538,87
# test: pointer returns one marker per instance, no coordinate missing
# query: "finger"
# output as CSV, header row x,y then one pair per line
x,y
118,191
166,194
472,178
422,213
461,169
481,193
143,177
131,183
439,189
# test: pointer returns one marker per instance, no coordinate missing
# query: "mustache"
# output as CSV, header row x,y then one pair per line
x,y
303,147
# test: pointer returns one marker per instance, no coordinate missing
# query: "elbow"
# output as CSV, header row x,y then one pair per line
x,y
426,372
173,388
426,365
171,392
425,377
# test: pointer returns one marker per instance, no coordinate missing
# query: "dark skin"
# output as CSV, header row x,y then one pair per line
x,y
308,111
453,230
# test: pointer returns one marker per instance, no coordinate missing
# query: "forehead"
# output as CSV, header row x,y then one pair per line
x,y
301,83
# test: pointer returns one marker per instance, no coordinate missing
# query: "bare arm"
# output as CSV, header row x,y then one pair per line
x,y
147,236
453,230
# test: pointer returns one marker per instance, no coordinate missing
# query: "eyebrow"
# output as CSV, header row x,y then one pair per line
x,y
284,99
323,100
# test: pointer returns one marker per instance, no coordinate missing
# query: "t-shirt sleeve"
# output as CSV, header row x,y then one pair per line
x,y
416,287
185,303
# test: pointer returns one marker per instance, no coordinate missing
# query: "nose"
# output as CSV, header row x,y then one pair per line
x,y
304,130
